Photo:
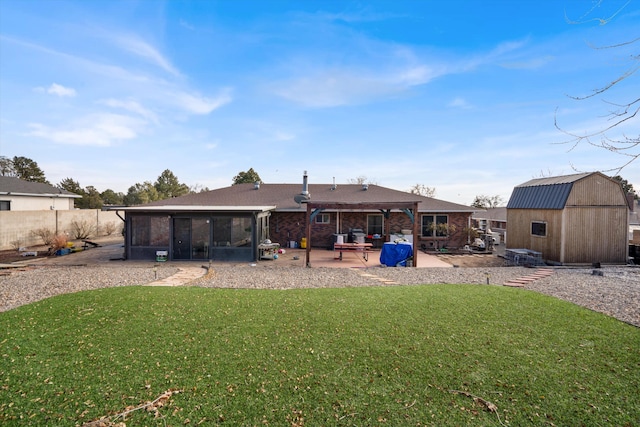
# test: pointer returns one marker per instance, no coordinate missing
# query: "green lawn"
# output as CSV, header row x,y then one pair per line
x,y
317,357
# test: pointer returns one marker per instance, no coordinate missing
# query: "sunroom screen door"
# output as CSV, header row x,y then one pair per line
x,y
181,238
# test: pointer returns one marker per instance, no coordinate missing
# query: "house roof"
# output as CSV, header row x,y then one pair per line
x,y
17,187
556,180
493,214
545,193
282,197
192,208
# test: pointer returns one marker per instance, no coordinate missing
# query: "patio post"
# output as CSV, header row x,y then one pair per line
x,y
308,236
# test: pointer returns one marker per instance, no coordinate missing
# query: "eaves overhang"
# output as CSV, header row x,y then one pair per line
x,y
198,208
50,195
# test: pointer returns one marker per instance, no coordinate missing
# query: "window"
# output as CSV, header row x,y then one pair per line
x,y
323,218
375,224
539,228
149,230
231,231
434,225
5,205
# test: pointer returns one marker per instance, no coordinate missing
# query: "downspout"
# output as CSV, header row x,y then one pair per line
x,y
126,234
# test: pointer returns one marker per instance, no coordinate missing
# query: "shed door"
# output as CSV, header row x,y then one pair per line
x,y
181,238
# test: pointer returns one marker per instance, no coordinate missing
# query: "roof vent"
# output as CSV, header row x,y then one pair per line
x,y
304,196
334,186
365,187
256,185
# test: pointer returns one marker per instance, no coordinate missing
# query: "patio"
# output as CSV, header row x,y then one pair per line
x,y
112,250
327,259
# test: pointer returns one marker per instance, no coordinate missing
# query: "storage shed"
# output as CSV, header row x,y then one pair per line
x,y
571,219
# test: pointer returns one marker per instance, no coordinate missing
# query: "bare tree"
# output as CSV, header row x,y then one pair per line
x,y
609,134
423,190
487,202
362,179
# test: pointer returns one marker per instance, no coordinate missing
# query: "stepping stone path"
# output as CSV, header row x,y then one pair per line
x,y
182,277
540,273
379,279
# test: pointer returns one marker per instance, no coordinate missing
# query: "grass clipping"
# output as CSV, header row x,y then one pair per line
x,y
152,406
489,406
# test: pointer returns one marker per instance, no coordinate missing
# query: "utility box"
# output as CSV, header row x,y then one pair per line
x,y
162,256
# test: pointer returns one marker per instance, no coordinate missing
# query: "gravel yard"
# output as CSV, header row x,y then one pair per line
x,y
30,284
615,293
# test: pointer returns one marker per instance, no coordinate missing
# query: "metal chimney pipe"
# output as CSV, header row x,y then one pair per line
x,y
305,184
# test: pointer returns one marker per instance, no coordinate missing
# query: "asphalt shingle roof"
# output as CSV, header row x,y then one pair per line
x,y
281,196
14,185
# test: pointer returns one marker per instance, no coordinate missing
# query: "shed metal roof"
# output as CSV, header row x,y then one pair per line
x,y
540,197
546,193
553,180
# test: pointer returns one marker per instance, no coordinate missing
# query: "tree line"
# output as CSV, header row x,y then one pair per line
x,y
166,186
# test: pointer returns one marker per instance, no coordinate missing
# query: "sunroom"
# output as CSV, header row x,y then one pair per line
x,y
196,232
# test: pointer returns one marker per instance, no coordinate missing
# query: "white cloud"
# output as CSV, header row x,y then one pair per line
x,y
132,106
281,136
186,25
56,89
143,49
339,86
101,130
197,104
417,75
529,63
459,103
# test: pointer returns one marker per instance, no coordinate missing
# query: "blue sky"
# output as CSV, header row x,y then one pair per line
x,y
456,95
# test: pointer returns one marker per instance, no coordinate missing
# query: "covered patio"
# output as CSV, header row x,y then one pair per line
x,y
327,259
409,208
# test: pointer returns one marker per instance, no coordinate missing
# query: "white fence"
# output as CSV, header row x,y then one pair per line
x,y
17,227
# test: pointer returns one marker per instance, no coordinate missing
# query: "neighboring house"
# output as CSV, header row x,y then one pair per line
x,y
634,222
494,218
571,219
229,223
19,195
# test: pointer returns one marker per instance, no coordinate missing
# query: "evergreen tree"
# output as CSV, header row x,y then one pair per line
x,y
248,177
28,170
71,186
110,197
167,185
91,198
626,186
139,194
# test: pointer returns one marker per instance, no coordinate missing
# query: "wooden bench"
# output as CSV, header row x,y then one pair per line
x,y
365,248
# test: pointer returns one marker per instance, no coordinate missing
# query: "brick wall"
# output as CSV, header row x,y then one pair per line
x,y
287,226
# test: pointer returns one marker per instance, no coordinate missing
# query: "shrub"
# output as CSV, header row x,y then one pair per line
x,y
45,234
59,242
109,228
82,229
16,244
